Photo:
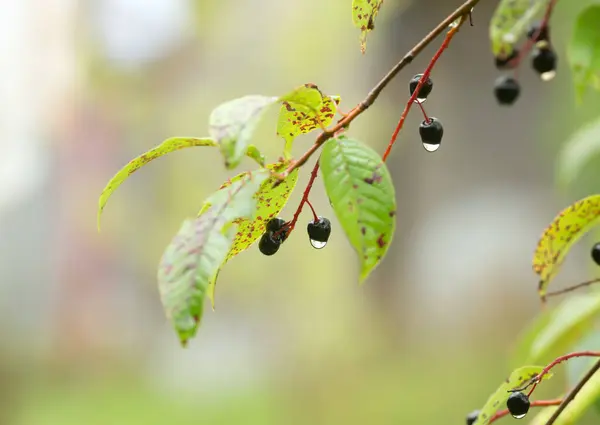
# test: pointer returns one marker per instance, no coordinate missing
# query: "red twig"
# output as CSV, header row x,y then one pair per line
x,y
311,180
537,403
422,80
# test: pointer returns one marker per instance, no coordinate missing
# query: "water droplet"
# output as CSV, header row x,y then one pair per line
x,y
509,38
547,76
519,416
420,100
317,244
429,147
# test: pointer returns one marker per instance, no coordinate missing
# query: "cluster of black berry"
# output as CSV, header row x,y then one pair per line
x,y
543,61
278,230
431,129
517,404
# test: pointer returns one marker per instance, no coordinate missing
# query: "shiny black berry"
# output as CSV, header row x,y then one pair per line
x,y
518,404
544,61
507,90
269,244
596,253
425,88
275,224
431,132
503,61
318,232
472,417
542,35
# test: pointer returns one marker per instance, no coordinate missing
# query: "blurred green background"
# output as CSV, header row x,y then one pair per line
x,y
87,85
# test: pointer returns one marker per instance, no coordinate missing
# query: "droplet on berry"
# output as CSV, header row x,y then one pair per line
x,y
542,35
544,61
472,417
505,61
318,232
506,90
269,244
518,405
596,253
431,132
423,91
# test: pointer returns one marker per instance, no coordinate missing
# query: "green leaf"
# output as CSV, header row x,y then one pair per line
x,y
510,22
169,145
256,155
295,119
557,330
585,399
194,257
364,13
566,229
362,195
583,51
498,399
577,152
232,123
269,203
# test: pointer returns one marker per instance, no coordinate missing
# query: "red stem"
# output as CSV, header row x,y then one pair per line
x,y
530,42
311,180
316,218
538,403
422,80
423,110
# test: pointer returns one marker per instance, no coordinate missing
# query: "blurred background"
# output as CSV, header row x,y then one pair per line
x,y
87,85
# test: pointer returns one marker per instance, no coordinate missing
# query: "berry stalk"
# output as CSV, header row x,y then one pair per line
x,y
449,35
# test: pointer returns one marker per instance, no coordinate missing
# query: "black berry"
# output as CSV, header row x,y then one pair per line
x,y
275,224
319,231
472,417
544,60
503,61
518,404
543,35
425,88
431,133
596,253
507,90
269,244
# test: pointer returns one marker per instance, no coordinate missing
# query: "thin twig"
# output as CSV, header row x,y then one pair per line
x,y
537,403
422,81
569,397
572,288
462,11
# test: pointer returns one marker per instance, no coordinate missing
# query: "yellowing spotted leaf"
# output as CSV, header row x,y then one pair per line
x,y
364,13
566,229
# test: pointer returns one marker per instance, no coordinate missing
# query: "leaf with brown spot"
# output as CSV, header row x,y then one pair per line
x,y
269,203
362,194
296,119
364,13
193,259
566,229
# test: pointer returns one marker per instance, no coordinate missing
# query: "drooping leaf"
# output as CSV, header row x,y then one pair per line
x,y
362,195
577,152
256,155
232,123
498,399
169,145
583,51
269,203
295,119
364,13
194,257
555,331
566,229
510,22
585,399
